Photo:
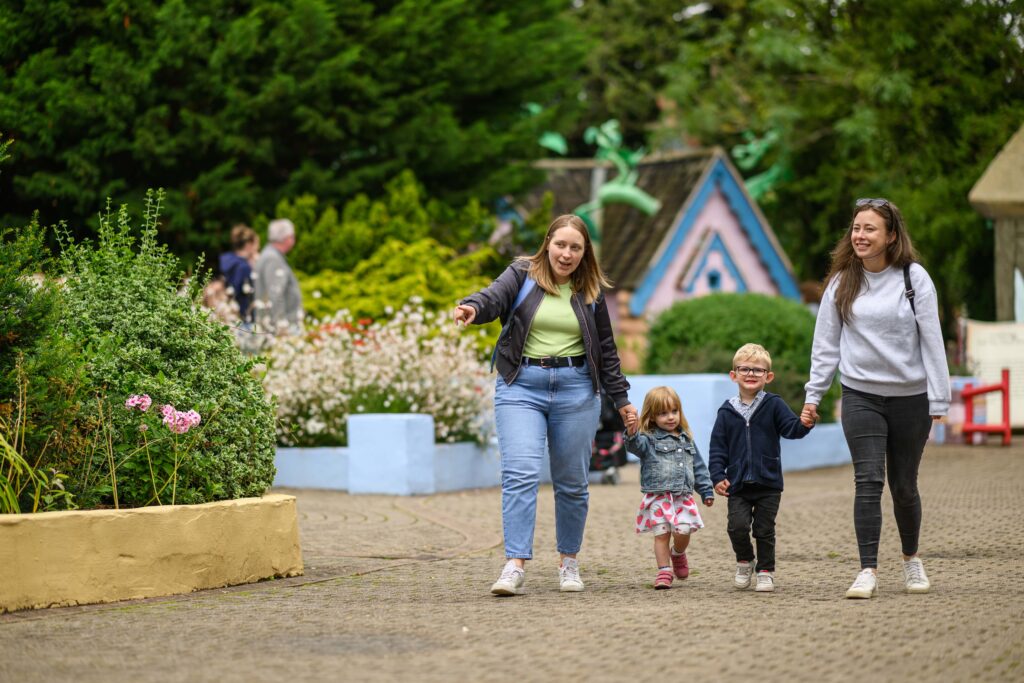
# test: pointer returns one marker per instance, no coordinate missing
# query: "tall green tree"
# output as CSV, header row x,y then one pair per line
x,y
908,100
630,42
233,105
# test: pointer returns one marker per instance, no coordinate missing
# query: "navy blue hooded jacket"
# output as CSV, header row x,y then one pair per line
x,y
745,452
238,275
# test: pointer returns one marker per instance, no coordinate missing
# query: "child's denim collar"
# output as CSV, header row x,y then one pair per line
x,y
659,433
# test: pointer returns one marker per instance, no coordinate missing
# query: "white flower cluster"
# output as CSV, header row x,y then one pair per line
x,y
415,362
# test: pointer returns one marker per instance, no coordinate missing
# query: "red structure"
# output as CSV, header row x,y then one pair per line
x,y
970,427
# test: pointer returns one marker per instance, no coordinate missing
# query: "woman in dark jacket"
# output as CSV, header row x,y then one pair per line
x,y
236,267
555,353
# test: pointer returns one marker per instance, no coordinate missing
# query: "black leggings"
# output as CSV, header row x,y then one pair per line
x,y
885,433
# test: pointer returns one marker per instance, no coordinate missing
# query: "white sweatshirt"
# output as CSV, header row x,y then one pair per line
x,y
882,350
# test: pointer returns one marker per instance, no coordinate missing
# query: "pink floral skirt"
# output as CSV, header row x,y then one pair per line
x,y
661,513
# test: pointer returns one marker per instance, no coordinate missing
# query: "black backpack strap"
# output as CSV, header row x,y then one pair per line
x,y
909,288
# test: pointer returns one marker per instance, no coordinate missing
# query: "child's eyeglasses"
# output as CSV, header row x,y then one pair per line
x,y
753,372
871,201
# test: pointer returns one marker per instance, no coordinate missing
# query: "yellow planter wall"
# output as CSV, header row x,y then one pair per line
x,y
69,558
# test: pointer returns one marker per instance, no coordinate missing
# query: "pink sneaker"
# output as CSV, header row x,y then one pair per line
x,y
663,580
680,565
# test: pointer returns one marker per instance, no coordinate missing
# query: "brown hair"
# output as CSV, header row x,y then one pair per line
x,y
660,400
588,278
242,235
849,269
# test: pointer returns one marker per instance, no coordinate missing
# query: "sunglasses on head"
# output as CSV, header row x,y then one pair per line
x,y
871,201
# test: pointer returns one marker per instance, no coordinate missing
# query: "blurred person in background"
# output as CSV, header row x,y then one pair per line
x,y
277,306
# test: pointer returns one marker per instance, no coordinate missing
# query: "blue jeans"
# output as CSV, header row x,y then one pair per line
x,y
545,409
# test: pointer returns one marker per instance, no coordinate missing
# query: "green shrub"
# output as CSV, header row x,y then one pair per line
x,y
41,380
702,334
27,305
141,335
327,239
395,273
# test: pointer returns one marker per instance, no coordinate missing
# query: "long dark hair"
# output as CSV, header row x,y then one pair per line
x,y
849,269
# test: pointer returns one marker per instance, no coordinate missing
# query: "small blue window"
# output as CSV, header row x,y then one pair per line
x,y
714,280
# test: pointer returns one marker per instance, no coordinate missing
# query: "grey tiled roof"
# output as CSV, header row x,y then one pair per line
x,y
629,238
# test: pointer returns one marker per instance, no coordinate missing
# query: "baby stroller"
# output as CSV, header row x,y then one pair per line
x,y
608,453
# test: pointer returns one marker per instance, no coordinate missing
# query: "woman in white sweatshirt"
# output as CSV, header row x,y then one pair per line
x,y
879,325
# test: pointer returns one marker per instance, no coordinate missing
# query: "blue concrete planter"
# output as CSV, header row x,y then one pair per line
x,y
702,395
396,453
312,468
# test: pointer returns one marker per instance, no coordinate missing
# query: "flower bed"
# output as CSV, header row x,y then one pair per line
x,y
415,362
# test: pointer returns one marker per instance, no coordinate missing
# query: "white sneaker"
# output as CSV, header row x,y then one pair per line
x,y
743,573
765,582
914,577
511,580
569,580
864,586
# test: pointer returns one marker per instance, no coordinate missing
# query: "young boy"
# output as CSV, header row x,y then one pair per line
x,y
745,465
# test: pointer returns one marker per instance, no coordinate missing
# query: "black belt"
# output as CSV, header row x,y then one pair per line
x,y
557,361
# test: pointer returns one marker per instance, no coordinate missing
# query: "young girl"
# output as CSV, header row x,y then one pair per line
x,y
670,469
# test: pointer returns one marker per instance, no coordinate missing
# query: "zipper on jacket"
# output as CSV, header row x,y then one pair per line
x,y
588,347
750,455
750,448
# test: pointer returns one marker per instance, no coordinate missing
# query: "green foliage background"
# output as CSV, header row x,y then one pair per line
x,y
906,100
233,106
43,380
395,273
702,335
329,239
630,42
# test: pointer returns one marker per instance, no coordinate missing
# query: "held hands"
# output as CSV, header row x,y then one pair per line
x,y
809,415
629,418
463,314
722,488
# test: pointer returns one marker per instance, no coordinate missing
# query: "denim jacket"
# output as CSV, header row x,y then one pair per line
x,y
670,462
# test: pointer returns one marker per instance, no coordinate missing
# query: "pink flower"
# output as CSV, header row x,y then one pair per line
x,y
140,401
179,422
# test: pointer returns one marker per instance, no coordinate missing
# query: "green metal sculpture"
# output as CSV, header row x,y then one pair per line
x,y
750,154
621,189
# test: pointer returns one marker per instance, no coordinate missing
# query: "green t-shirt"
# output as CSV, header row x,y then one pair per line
x,y
555,330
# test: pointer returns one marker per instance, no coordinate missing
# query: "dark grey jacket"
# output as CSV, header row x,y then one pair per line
x,y
496,302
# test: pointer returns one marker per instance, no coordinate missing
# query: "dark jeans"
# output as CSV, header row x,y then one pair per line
x,y
754,509
886,435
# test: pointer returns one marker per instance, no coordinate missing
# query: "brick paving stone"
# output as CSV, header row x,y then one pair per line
x,y
397,588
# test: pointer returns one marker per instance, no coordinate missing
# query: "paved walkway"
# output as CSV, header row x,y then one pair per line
x,y
396,589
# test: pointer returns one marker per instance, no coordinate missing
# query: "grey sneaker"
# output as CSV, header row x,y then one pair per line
x,y
765,582
744,570
864,586
914,577
569,580
511,580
